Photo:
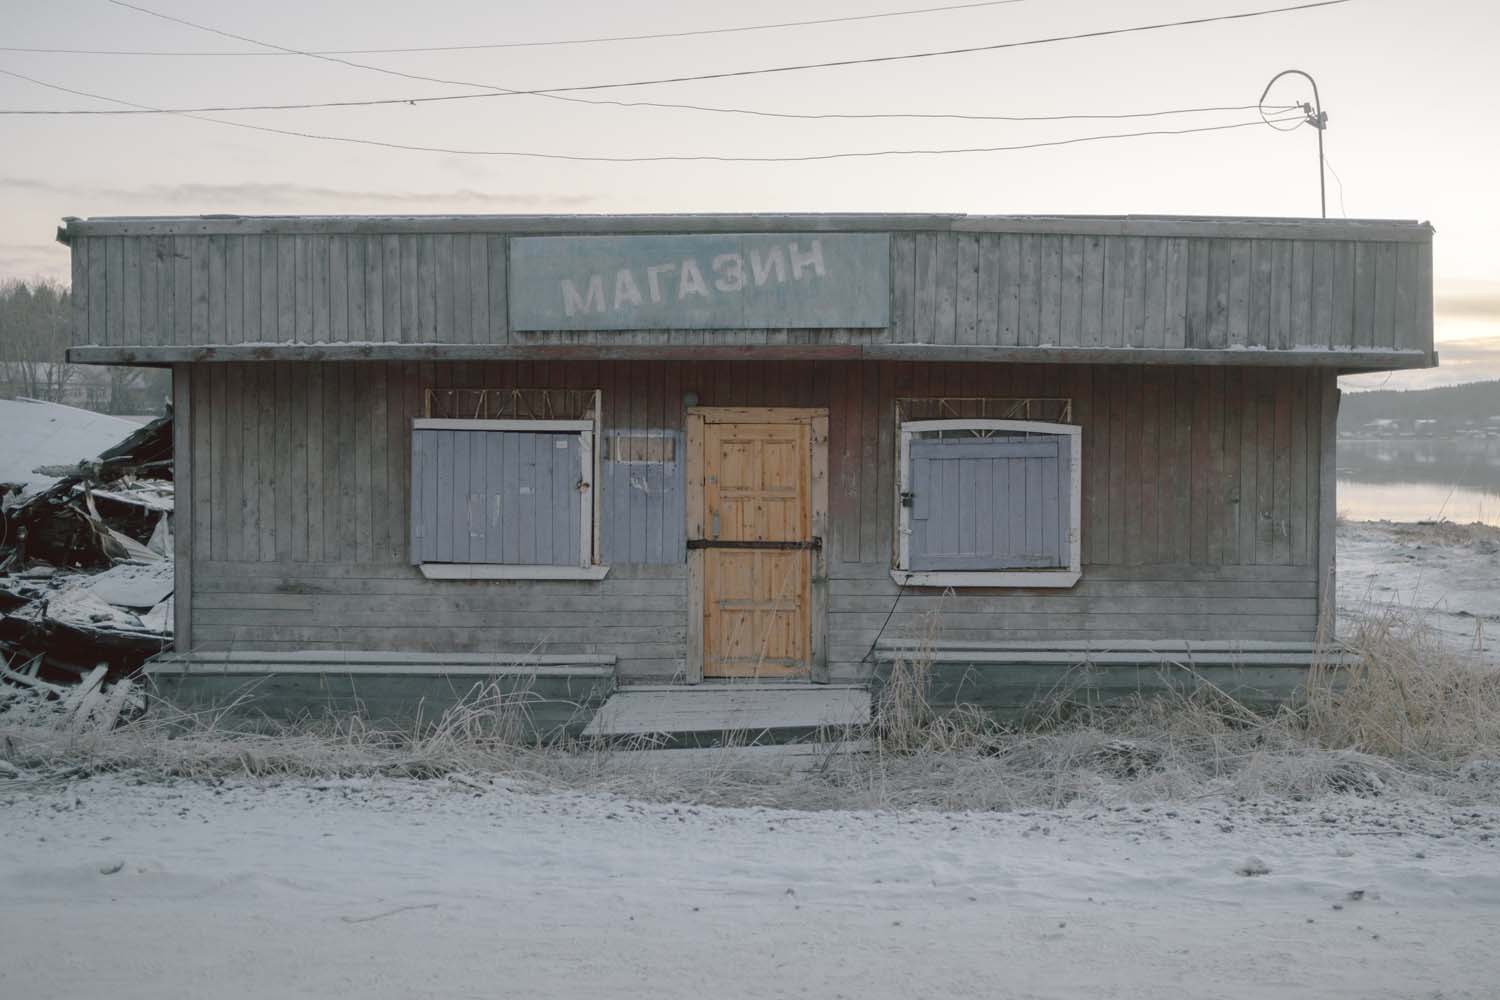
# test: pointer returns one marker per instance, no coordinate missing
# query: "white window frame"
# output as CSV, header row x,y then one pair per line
x,y
587,431
1060,577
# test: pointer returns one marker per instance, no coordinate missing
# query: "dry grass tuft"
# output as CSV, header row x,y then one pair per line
x,y
485,729
906,721
1449,533
1411,717
1409,699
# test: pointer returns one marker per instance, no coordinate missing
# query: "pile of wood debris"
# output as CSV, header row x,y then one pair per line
x,y
94,704
86,580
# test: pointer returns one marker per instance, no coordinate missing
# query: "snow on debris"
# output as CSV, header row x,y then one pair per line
x,y
79,608
132,585
160,619
37,434
106,513
150,494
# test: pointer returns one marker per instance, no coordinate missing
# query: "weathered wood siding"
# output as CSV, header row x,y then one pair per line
x,y
975,289
1201,508
1040,290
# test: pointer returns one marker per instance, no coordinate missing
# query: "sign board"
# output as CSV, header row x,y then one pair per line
x,y
733,281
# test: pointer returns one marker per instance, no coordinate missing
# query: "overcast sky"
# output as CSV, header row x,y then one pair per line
x,y
1410,92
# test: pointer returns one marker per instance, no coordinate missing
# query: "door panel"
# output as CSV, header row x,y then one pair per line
x,y
755,486
756,605
755,613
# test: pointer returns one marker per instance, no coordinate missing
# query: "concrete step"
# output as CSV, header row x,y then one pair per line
x,y
711,715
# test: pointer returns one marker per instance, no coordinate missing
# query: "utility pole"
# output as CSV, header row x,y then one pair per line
x,y
1316,117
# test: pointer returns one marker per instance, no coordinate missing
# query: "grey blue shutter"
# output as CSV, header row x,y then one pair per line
x,y
989,503
505,497
643,504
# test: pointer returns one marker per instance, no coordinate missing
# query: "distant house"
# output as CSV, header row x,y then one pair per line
x,y
103,390
698,450
1381,427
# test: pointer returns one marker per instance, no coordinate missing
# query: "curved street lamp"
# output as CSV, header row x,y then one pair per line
x,y
1316,117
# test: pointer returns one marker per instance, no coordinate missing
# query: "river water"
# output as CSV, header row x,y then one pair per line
x,y
1420,480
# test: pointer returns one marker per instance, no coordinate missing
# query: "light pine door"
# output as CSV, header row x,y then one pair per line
x,y
757,566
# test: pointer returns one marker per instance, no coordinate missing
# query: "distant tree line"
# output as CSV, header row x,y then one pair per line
x,y
35,331
1453,405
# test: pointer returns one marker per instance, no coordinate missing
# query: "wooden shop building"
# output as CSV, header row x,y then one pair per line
x,y
661,453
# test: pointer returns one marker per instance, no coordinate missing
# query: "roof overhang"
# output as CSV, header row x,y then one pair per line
x,y
1345,362
1222,227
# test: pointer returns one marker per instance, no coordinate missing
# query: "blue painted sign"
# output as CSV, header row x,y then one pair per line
x,y
700,282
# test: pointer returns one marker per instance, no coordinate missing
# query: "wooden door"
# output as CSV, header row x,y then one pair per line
x,y
757,548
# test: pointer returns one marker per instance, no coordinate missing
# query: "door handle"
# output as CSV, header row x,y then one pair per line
x,y
713,530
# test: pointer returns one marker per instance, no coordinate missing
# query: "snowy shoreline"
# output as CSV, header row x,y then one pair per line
x,y
1444,576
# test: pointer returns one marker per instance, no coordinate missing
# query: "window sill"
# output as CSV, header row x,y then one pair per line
x,y
492,571
1003,578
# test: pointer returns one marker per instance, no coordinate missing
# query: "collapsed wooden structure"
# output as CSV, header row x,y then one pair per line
x,y
589,451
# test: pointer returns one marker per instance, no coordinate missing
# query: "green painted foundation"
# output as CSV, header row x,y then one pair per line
x,y
1018,685
542,703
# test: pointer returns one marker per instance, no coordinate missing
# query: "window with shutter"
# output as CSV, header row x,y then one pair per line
x,y
989,503
503,499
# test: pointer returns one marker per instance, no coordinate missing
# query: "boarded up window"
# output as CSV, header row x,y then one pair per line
x,y
514,496
623,446
642,506
988,498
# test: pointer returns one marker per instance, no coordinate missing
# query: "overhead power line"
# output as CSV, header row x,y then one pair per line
x,y
595,40
491,90
733,74
947,116
666,158
808,158
375,102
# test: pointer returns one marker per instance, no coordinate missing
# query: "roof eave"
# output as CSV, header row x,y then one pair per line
x,y
1375,230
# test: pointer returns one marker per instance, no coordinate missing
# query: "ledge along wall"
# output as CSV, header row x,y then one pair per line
x,y
1203,514
151,290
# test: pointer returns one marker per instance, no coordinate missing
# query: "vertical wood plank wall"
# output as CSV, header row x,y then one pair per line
x,y
947,288
1201,506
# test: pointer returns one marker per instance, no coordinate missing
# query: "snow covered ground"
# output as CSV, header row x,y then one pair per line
x,y
455,888
131,887
1449,575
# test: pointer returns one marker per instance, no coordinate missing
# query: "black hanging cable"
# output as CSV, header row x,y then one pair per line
x,y
900,593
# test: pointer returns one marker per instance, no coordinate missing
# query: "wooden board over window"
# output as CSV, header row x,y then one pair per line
x,y
989,503
502,494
